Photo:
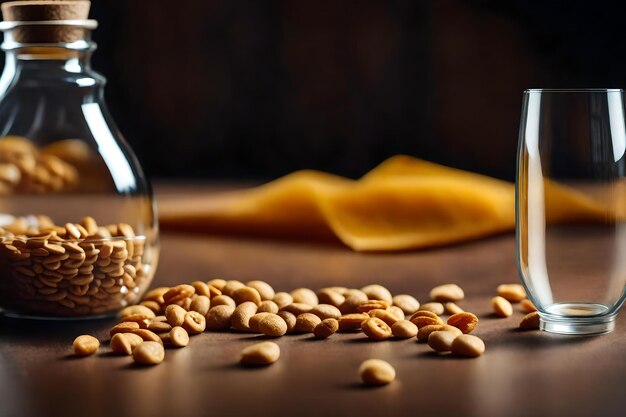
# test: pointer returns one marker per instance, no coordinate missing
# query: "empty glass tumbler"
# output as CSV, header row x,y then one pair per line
x,y
571,207
78,230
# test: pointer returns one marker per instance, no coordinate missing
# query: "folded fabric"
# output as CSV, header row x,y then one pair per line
x,y
404,203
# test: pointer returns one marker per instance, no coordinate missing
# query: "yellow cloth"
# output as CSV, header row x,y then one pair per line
x,y
404,203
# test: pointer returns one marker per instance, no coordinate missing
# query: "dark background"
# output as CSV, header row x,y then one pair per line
x,y
256,89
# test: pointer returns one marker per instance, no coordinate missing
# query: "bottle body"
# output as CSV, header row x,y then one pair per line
x,y
78,226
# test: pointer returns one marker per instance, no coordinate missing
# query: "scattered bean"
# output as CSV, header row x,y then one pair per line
x,y
260,354
512,292
448,292
149,353
501,307
273,325
377,292
326,328
466,322
433,307
218,318
376,329
306,322
407,303
377,372
530,321
85,345
468,345
441,341
178,337
305,296
404,329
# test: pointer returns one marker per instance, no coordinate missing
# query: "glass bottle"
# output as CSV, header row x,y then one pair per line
x,y
78,225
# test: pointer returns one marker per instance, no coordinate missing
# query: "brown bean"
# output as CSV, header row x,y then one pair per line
x,y
175,315
501,307
404,329
268,306
297,308
304,296
124,343
218,317
376,329
244,294
200,304
231,286
85,345
260,354
225,300
512,292
384,315
452,308
306,322
326,328
377,372
264,289
351,322
366,306
424,332
240,320
530,321
326,311
289,319
528,306
147,335
178,337
273,325
434,307
283,299
377,292
466,322
149,353
330,296
407,303
125,327
468,345
447,292
441,341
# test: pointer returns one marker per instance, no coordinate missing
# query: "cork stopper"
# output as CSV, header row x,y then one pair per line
x,y
46,10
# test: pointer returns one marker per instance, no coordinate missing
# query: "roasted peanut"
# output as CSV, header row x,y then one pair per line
x,y
240,320
260,354
527,306
465,322
124,327
137,309
530,321
423,318
305,296
326,311
404,329
366,306
124,343
149,353
452,308
353,298
468,345
289,318
330,296
424,332
175,315
265,290
384,315
85,345
159,326
407,303
297,308
283,299
217,283
377,292
501,307
326,328
434,307
200,304
223,300
178,337
377,372
147,335
349,322
512,292
376,329
255,322
273,325
194,322
397,312
447,292
306,322
218,318
441,341
268,306
243,294
231,286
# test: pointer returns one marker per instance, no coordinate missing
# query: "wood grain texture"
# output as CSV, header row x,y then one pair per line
x,y
521,373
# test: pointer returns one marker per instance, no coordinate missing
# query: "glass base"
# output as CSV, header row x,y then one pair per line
x,y
576,319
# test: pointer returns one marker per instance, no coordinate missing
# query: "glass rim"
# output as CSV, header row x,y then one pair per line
x,y
573,90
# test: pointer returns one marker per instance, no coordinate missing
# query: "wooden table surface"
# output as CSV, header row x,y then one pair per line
x,y
521,373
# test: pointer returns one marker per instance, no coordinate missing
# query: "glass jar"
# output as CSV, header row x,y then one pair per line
x,y
78,226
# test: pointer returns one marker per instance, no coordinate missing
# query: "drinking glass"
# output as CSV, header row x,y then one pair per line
x,y
571,207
